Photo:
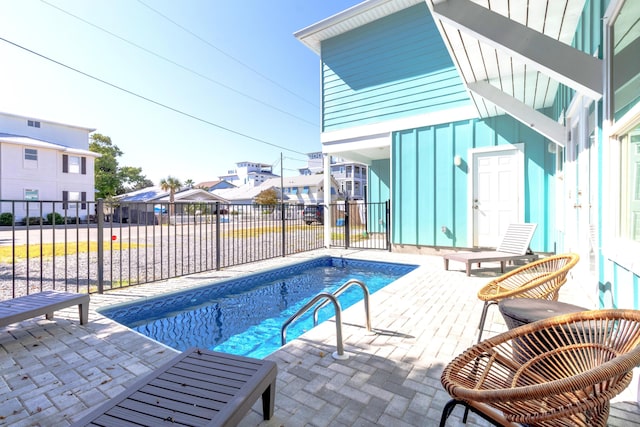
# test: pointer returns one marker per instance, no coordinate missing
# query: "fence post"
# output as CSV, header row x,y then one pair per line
x,y
100,237
217,236
347,231
284,236
387,225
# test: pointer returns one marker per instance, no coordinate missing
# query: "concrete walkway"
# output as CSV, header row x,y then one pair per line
x,y
53,371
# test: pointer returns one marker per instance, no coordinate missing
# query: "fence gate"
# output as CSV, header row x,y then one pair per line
x,y
356,224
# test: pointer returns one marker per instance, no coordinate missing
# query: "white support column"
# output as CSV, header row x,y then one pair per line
x,y
328,220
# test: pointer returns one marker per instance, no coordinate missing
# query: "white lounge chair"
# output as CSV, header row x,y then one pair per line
x,y
514,247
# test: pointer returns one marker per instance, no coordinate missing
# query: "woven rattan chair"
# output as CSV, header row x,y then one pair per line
x,y
560,371
540,279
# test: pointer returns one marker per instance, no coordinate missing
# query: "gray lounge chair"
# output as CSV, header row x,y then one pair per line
x,y
46,302
198,387
514,247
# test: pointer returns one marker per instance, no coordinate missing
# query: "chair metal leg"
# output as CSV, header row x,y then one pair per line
x,y
450,406
483,317
448,409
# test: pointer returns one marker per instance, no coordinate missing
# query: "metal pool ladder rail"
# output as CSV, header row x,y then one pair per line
x,y
339,353
339,292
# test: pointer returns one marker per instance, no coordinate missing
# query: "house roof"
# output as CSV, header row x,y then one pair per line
x,y
39,143
156,193
210,184
295,181
349,19
143,195
192,195
245,192
512,55
89,130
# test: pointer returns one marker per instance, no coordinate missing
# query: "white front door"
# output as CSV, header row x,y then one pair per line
x,y
497,186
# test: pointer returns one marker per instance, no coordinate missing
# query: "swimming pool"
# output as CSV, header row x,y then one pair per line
x,y
244,315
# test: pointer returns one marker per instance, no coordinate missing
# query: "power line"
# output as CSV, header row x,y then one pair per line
x,y
227,54
175,110
164,58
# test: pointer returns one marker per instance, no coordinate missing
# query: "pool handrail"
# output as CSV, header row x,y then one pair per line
x,y
339,354
340,291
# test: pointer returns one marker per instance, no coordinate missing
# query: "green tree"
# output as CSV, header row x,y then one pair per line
x,y
132,179
170,184
107,181
267,197
189,183
110,178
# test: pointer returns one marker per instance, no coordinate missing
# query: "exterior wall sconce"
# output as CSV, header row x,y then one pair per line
x,y
457,160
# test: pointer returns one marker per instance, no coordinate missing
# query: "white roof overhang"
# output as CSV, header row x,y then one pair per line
x,y
349,19
513,54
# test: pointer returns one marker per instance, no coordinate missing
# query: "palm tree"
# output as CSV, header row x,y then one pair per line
x,y
170,184
189,183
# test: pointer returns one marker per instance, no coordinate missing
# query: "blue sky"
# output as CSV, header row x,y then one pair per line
x,y
228,64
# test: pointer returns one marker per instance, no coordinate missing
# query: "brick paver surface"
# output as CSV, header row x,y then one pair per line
x,y
52,372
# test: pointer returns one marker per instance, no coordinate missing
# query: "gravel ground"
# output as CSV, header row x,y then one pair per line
x,y
154,258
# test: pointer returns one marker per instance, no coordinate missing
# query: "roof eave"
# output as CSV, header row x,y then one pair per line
x,y
349,19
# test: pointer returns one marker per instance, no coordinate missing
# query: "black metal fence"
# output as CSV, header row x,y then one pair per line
x,y
361,225
87,246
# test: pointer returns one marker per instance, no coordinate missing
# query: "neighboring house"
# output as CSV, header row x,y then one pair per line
x,y
466,129
246,194
300,190
143,205
350,176
249,173
214,185
45,161
304,189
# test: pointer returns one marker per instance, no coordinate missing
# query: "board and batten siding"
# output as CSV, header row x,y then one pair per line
x,y
429,192
392,68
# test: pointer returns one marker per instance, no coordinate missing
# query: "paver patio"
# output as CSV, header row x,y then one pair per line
x,y
53,371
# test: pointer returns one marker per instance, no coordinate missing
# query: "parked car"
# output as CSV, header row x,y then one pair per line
x,y
313,214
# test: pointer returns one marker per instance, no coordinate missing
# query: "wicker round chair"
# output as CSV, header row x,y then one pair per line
x,y
560,371
539,279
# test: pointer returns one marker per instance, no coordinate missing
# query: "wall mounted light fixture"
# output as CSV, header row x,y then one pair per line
x,y
457,160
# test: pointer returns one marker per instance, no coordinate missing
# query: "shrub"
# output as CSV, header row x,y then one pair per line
x,y
6,218
55,218
34,220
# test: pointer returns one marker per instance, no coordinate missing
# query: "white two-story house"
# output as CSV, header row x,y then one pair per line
x,y
45,161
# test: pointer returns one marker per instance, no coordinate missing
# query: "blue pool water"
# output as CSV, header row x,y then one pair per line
x,y
244,316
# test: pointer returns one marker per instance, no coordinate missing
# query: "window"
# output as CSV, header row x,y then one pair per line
x,y
294,190
74,164
30,154
33,123
31,194
630,177
305,190
74,196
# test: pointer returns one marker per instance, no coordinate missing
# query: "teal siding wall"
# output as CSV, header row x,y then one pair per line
x,y
378,182
430,192
391,68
